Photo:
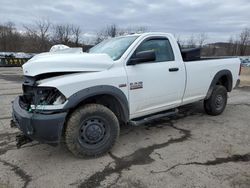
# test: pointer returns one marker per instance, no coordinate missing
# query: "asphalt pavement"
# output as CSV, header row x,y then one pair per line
x,y
192,149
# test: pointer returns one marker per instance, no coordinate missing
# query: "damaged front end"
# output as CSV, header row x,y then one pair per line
x,y
32,115
34,96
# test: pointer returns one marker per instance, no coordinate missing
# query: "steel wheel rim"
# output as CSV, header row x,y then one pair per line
x,y
219,102
93,132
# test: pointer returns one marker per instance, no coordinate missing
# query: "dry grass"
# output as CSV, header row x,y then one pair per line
x,y
245,76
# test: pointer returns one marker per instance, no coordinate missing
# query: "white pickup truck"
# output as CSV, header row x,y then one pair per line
x,y
83,98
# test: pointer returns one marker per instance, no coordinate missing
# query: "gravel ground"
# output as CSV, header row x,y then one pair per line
x,y
245,75
189,150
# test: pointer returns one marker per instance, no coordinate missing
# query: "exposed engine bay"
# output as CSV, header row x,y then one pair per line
x,y
34,95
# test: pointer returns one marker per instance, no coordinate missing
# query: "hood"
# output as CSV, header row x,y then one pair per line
x,y
66,61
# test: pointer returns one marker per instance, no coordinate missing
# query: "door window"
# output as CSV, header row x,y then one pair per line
x,y
162,48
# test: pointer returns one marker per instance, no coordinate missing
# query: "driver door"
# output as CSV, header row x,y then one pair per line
x,y
156,85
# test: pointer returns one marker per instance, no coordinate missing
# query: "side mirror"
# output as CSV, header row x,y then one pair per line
x,y
142,57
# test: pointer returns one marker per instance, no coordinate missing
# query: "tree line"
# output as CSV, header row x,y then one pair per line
x,y
42,34
238,45
38,37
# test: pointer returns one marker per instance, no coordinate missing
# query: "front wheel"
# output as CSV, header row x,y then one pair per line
x,y
91,130
217,102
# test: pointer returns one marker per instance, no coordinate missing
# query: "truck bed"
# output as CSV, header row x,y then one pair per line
x,y
194,54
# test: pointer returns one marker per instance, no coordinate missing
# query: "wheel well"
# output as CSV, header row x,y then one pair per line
x,y
109,101
224,78
224,81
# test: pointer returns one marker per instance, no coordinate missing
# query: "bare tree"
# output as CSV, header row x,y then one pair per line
x,y
5,32
230,47
239,45
244,41
39,33
113,31
67,34
179,40
132,30
10,39
201,38
191,43
43,32
109,32
38,37
62,34
99,37
76,32
141,29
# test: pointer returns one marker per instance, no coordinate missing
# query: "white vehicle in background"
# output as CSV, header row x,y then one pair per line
x,y
82,99
245,61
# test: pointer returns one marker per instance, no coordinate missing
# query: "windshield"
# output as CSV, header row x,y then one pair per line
x,y
114,47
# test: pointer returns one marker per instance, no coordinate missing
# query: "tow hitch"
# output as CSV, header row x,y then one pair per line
x,y
21,140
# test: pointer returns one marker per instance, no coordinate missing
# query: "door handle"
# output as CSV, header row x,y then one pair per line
x,y
173,69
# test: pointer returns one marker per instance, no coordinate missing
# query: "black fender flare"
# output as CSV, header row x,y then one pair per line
x,y
84,94
216,78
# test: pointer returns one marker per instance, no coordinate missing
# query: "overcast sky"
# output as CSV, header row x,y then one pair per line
x,y
218,18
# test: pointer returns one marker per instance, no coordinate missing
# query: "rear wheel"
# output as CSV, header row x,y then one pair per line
x,y
91,130
217,102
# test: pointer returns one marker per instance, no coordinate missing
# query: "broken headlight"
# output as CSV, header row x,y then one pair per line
x,y
48,96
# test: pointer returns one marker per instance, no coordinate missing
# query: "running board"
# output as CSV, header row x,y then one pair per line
x,y
153,117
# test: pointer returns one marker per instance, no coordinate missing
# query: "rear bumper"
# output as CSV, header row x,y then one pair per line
x,y
237,83
45,128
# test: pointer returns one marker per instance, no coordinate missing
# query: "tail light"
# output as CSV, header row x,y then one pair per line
x,y
240,69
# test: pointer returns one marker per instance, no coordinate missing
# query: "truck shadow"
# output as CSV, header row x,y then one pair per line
x,y
184,111
8,139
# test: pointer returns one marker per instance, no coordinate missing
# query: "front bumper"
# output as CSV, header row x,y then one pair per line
x,y
45,128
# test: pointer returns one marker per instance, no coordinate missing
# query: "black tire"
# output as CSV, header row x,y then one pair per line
x,y
91,130
217,102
